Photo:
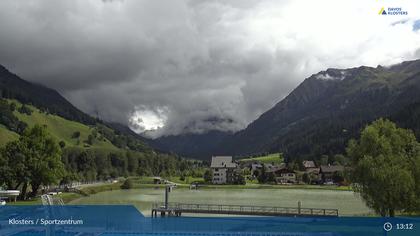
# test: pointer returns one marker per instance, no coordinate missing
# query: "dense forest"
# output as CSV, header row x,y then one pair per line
x,y
90,165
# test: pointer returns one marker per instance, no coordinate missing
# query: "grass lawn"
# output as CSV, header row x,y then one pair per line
x,y
147,182
101,188
188,180
275,158
68,197
268,186
35,201
60,128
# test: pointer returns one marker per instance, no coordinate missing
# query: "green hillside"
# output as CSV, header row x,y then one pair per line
x,y
6,135
270,158
59,128
90,149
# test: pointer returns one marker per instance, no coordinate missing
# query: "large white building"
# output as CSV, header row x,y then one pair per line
x,y
223,169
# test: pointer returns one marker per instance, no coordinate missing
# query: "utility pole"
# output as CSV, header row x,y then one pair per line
x,y
167,191
299,207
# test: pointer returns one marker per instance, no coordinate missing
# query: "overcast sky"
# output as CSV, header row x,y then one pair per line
x,y
191,66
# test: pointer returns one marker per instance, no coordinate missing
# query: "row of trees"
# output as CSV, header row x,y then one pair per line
x,y
95,164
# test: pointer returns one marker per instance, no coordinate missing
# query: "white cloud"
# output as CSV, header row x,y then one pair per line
x,y
144,119
326,76
210,64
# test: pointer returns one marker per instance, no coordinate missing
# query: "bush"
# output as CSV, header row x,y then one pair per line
x,y
306,178
8,119
208,176
12,106
90,139
76,134
128,184
25,110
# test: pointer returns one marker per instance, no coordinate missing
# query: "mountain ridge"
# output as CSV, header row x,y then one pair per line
x,y
12,86
325,111
46,103
317,118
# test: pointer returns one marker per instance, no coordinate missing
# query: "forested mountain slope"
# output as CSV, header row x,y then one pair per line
x,y
320,115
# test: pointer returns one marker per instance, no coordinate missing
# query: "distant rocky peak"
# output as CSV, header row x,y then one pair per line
x,y
331,74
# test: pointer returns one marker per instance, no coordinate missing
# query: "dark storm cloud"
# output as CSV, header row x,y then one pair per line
x,y
61,45
196,65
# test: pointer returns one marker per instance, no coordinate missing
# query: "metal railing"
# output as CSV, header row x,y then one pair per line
x,y
244,210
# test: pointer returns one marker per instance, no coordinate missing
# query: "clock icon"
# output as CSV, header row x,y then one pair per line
x,y
387,226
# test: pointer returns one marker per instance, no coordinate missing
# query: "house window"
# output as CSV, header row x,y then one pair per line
x,y
216,169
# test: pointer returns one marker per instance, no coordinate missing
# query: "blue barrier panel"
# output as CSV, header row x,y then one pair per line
x,y
121,220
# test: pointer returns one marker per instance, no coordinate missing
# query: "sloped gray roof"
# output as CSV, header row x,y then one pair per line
x,y
276,168
313,170
222,162
309,164
256,166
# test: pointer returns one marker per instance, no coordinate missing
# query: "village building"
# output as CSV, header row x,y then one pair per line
x,y
282,174
308,165
329,173
271,166
314,175
312,171
285,176
255,169
223,169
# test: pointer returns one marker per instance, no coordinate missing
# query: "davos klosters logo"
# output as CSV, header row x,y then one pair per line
x,y
392,11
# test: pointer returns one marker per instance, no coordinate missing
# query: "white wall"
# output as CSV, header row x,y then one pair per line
x,y
219,176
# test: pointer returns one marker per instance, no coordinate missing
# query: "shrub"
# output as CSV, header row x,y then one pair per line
x,y
25,110
128,184
76,134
